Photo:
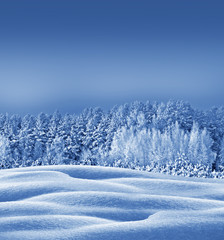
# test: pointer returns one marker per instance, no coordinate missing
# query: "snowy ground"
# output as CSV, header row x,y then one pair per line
x,y
81,202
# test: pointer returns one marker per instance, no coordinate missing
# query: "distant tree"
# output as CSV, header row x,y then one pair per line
x,y
91,128
194,144
55,152
6,160
149,111
207,156
215,126
15,125
2,123
135,109
41,134
159,119
54,124
27,138
75,144
222,153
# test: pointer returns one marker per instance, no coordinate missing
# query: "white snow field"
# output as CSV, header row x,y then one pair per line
x,y
85,202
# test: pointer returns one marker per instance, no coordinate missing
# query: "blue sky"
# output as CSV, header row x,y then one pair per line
x,y
69,55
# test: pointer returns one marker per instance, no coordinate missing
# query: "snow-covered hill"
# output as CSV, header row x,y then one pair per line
x,y
84,202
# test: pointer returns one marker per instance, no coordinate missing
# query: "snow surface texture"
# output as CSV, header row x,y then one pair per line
x,y
86,202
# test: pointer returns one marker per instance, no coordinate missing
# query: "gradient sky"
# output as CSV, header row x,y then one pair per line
x,y
68,55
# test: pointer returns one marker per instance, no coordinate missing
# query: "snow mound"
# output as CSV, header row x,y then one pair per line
x,y
84,202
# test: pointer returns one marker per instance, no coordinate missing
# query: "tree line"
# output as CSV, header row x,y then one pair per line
x,y
137,134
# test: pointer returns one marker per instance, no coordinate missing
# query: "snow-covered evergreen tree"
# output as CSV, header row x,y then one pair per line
x,y
222,153
55,152
6,159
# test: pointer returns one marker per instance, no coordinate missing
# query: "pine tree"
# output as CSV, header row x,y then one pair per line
x,y
55,152
222,153
6,160
54,124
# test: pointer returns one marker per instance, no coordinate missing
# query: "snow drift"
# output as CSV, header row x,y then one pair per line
x,y
86,202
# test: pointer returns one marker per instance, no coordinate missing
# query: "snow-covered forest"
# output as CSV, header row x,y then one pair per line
x,y
168,137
